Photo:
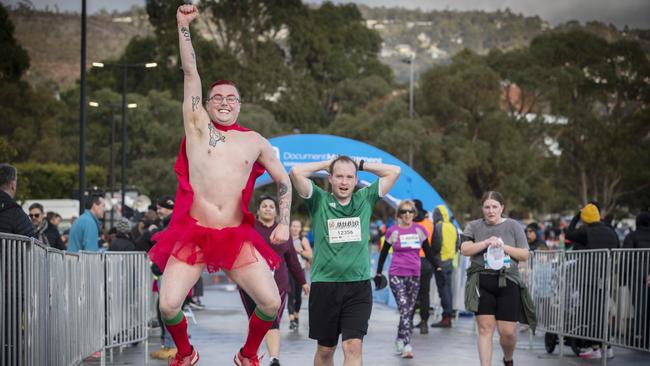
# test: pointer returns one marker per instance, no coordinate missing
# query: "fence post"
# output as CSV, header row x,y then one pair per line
x,y
561,326
608,279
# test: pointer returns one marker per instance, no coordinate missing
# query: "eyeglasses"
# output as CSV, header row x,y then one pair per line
x,y
402,212
218,99
34,216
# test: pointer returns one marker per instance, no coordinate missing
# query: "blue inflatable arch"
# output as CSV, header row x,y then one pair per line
x,y
305,148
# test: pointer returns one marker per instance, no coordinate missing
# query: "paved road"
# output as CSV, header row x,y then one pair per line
x,y
220,328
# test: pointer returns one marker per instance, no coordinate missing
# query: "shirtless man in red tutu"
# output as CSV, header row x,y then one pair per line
x,y
211,226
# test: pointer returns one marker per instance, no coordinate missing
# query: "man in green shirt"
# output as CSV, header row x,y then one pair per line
x,y
341,297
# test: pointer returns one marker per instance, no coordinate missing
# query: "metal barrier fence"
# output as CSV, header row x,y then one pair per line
x,y
593,295
629,324
128,283
57,308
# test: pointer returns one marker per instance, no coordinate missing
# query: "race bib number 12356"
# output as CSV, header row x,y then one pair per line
x,y
344,230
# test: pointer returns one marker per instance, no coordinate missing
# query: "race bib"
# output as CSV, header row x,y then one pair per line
x,y
410,241
344,230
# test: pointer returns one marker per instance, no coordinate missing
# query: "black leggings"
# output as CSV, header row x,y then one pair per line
x,y
294,301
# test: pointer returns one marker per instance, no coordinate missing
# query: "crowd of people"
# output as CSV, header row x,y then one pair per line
x,y
207,225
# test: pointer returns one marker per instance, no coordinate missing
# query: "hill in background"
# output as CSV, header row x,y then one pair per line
x,y
435,36
53,40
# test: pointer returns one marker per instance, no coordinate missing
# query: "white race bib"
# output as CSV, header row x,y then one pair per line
x,y
344,230
410,241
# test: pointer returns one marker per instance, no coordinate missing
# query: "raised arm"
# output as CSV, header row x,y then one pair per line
x,y
300,176
195,118
270,161
387,174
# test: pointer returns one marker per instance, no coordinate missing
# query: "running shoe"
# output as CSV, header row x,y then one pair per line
x,y
274,362
399,346
590,353
196,304
189,360
240,360
407,352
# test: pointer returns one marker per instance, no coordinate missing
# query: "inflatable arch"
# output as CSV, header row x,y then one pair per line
x,y
305,148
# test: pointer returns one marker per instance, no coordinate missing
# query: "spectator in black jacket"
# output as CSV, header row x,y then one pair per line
x,y
122,241
13,219
45,232
640,238
593,235
164,209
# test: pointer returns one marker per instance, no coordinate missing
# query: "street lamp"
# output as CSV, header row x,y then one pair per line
x,y
410,60
112,167
124,68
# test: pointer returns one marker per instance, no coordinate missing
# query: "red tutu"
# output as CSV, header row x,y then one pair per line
x,y
226,248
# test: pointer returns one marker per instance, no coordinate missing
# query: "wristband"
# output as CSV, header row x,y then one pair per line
x,y
361,165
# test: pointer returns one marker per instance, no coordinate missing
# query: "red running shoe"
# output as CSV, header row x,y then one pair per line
x,y
189,360
240,360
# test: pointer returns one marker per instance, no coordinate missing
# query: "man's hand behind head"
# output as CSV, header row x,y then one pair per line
x,y
186,14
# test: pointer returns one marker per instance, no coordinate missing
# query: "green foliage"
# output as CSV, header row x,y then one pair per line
x,y
601,88
317,69
32,122
14,60
38,180
154,176
262,121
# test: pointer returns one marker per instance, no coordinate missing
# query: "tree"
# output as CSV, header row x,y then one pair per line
x,y
14,60
602,90
477,146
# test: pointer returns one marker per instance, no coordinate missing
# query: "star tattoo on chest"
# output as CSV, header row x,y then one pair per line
x,y
215,135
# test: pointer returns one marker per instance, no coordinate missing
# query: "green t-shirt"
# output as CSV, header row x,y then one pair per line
x,y
341,234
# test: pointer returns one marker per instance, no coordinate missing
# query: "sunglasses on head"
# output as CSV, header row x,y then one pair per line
x,y
402,212
34,216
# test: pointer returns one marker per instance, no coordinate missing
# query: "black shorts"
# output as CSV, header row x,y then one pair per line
x,y
249,306
339,308
503,303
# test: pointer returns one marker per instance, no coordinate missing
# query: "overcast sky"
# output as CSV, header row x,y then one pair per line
x,y
634,13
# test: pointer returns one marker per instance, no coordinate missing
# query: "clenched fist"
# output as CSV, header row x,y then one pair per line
x,y
186,14
280,234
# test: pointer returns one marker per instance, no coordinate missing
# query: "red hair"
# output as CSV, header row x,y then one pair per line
x,y
223,82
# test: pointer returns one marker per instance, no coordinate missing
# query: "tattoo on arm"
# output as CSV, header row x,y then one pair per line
x,y
193,56
186,33
195,102
215,135
285,202
282,189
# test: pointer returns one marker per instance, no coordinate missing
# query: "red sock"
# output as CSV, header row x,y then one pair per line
x,y
258,324
178,332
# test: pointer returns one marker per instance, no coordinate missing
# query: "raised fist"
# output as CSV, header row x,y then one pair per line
x,y
186,14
